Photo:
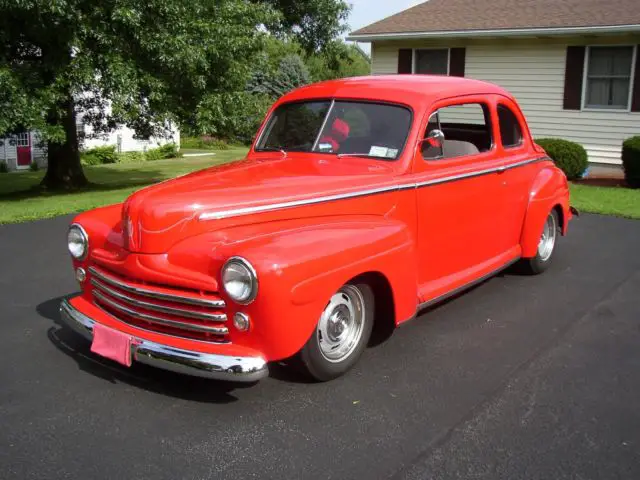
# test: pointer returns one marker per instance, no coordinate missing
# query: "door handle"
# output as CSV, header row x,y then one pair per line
x,y
501,169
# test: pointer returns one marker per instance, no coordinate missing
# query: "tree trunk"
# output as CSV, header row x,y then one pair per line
x,y
64,171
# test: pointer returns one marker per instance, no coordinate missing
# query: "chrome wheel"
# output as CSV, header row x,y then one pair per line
x,y
341,324
548,239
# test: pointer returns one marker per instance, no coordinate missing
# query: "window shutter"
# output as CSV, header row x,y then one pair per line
x,y
457,61
405,60
635,99
574,70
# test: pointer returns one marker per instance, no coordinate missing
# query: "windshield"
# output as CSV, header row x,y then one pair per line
x,y
338,127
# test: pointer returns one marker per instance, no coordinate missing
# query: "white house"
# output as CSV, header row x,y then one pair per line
x,y
573,65
19,151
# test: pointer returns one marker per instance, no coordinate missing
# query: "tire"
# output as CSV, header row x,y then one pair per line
x,y
341,334
546,246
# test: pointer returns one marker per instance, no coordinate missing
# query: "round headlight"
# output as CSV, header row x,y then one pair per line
x,y
239,280
78,242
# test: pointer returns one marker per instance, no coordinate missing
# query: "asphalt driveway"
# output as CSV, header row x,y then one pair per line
x,y
522,377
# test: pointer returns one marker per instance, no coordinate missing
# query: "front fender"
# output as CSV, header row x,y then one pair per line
x,y
301,266
548,190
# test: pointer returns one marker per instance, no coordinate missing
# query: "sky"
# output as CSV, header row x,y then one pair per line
x,y
365,12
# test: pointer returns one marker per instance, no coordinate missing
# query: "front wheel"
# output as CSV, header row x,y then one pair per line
x,y
342,333
546,246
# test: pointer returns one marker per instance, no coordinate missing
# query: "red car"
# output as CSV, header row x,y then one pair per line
x,y
361,202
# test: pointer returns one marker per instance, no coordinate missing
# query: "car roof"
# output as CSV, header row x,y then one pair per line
x,y
408,89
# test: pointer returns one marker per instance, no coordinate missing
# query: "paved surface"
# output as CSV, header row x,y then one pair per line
x,y
522,377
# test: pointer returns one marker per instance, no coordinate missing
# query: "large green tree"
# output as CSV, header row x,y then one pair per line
x,y
138,63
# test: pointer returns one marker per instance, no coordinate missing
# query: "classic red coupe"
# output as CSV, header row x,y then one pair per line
x,y
361,202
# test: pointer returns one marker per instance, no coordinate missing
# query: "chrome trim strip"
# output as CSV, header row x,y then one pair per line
x,y
214,317
464,287
157,295
237,212
160,321
206,365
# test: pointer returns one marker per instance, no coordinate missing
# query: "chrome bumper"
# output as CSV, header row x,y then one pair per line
x,y
207,365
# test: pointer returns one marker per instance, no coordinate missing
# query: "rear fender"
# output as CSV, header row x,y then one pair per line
x,y
549,190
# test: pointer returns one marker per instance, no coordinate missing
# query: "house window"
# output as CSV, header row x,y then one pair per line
x,y
510,130
431,61
609,75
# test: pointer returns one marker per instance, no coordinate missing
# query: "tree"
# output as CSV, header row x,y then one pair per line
x,y
133,62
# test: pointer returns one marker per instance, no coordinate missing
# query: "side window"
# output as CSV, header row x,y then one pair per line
x,y
466,128
510,130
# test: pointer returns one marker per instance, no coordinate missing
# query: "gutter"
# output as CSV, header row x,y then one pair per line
x,y
503,32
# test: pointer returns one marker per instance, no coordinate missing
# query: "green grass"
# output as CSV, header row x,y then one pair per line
x,y
21,199
618,201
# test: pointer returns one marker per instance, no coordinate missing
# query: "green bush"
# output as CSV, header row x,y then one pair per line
x,y
4,168
204,143
99,155
130,157
169,150
34,167
570,157
631,161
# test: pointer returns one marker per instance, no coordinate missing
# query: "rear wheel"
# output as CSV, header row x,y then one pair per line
x,y
546,246
342,333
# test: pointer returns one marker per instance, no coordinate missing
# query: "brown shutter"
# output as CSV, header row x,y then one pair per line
x,y
635,99
405,60
456,62
574,70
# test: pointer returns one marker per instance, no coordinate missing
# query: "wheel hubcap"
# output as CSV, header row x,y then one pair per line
x,y
548,238
341,324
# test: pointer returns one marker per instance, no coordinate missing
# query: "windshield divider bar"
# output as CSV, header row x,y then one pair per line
x,y
324,124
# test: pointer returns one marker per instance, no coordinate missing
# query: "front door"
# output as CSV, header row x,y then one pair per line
x,y
459,199
23,146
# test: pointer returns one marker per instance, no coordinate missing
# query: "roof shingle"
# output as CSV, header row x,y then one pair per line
x,y
456,15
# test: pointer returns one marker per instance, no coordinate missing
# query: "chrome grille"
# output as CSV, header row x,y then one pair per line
x,y
162,309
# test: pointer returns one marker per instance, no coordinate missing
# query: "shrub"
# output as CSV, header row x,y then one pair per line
x,y
204,143
34,167
169,150
4,168
631,161
570,157
130,157
99,155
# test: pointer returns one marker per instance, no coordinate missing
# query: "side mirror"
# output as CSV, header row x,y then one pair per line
x,y
435,138
432,146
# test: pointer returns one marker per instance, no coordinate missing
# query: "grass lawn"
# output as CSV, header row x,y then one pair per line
x,y
618,201
21,200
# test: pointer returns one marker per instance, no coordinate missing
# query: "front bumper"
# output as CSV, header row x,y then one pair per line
x,y
207,365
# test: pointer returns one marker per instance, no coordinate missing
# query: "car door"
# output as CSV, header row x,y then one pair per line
x,y
459,197
517,154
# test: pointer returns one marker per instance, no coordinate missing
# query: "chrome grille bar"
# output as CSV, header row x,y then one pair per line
x,y
106,278
161,321
215,317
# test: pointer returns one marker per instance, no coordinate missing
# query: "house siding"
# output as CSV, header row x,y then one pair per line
x,y
125,138
533,71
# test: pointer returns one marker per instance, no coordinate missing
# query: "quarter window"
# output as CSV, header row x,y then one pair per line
x,y
510,130
608,81
431,61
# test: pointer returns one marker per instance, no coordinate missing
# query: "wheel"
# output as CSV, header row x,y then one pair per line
x,y
342,333
546,246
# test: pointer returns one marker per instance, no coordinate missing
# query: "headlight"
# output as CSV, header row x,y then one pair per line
x,y
240,280
78,242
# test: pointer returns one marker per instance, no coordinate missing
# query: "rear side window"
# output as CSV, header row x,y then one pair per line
x,y
510,130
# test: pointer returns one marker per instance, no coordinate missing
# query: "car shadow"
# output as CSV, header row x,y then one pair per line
x,y
154,380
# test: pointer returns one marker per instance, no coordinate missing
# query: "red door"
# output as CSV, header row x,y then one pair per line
x,y
23,147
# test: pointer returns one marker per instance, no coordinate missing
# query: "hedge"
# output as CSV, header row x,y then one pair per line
x,y
631,161
99,155
570,157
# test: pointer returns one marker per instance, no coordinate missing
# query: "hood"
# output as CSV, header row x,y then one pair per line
x,y
157,217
